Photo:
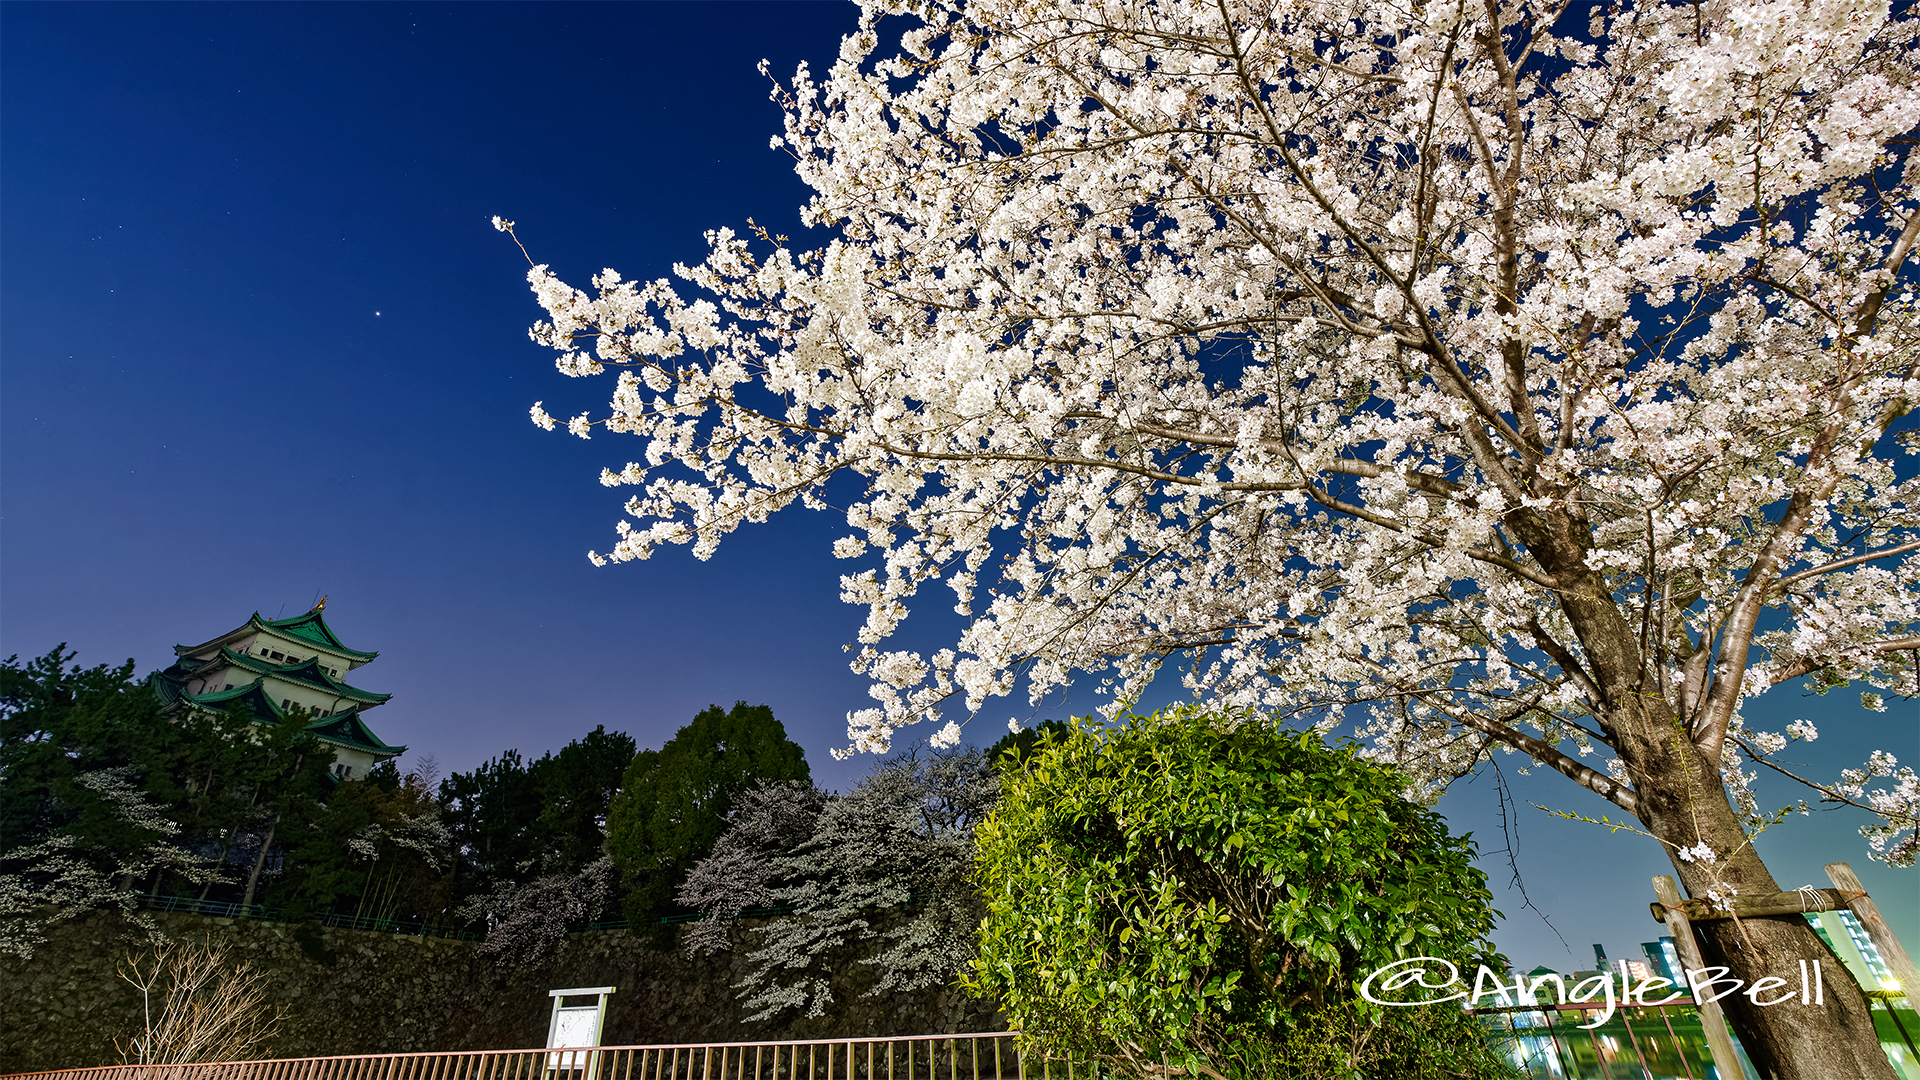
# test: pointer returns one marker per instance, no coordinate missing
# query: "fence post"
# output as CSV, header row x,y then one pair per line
x,y
1719,1041
1877,930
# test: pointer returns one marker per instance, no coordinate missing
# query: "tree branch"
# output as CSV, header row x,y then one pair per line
x,y
1808,667
1597,782
1843,564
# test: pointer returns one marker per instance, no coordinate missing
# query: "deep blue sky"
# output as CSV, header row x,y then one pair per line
x,y
259,343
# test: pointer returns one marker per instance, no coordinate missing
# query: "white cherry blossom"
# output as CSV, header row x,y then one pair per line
x,y
1484,377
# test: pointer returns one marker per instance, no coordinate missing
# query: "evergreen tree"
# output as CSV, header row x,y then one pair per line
x,y
61,723
491,811
514,822
673,802
105,797
576,787
1205,891
378,850
1017,746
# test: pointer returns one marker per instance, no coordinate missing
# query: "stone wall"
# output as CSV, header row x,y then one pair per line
x,y
359,992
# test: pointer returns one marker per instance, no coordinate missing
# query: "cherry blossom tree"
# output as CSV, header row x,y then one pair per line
x,y
527,922
877,877
1486,375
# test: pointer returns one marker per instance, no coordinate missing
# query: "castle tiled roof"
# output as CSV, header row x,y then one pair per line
x,y
309,672
311,628
347,729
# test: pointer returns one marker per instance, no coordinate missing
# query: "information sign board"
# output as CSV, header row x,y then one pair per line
x,y
576,1027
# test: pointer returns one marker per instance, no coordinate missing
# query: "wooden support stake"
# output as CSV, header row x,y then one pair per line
x,y
1719,1039
1798,902
1878,931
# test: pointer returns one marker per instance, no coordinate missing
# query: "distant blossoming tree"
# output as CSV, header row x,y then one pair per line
x,y
527,923
749,865
878,876
1504,377
61,877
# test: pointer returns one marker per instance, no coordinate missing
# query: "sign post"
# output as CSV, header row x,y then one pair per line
x,y
577,1028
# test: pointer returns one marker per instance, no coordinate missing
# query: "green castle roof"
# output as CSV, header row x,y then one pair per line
x,y
306,671
254,695
349,729
346,728
311,628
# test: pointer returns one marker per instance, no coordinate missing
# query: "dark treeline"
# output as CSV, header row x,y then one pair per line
x,y
108,801
512,820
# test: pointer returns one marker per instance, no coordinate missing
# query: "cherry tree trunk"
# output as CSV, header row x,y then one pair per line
x,y
1684,803
259,861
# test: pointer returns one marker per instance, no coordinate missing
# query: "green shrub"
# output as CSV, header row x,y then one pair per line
x,y
1205,891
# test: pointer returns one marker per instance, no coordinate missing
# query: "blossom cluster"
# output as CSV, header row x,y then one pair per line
x,y
1329,349
55,880
528,921
875,878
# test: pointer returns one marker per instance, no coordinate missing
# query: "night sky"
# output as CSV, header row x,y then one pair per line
x,y
259,344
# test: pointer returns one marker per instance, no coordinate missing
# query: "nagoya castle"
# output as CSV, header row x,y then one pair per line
x,y
275,667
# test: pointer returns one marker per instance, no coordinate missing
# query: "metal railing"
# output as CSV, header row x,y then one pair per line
x,y
981,1056
1546,1042
1652,1042
223,909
